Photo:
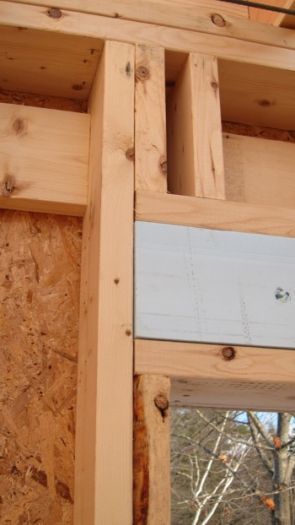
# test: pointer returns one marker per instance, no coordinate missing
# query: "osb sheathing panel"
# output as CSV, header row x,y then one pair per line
x,y
39,298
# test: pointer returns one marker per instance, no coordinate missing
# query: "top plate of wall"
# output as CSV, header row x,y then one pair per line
x,y
47,63
210,286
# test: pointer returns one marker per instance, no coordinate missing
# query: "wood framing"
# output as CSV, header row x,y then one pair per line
x,y
157,76
43,159
195,154
150,119
215,214
259,171
151,450
241,47
195,15
220,376
34,61
104,410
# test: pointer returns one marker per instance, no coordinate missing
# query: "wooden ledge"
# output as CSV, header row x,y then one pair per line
x,y
214,214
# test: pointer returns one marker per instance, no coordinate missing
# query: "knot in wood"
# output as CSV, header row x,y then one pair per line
x,y
128,69
228,353
142,73
218,20
19,126
8,185
162,404
163,166
54,12
130,154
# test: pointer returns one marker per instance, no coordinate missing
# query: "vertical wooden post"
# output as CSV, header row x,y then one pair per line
x,y
195,151
150,119
151,450
103,492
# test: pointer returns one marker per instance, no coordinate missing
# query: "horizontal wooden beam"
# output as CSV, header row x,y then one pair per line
x,y
214,214
166,12
43,159
195,15
245,45
218,376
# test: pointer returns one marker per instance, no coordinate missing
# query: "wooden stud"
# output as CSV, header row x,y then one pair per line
x,y
151,450
43,159
104,408
150,120
215,214
195,153
214,375
248,44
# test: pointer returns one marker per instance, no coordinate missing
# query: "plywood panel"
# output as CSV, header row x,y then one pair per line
x,y
43,159
47,63
43,101
39,309
208,286
257,95
259,171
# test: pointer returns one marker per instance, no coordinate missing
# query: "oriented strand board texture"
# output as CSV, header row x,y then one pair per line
x,y
39,302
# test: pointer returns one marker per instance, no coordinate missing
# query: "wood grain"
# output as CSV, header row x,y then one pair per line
x,y
260,96
33,61
215,214
104,425
43,159
285,20
167,12
39,311
186,14
259,171
195,154
244,45
257,378
150,119
151,450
